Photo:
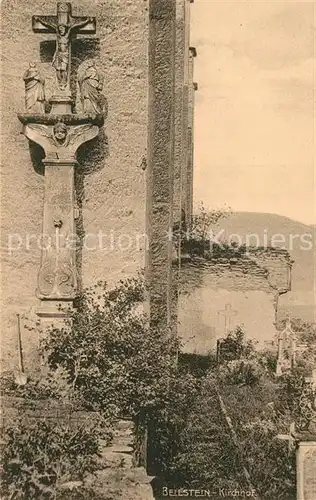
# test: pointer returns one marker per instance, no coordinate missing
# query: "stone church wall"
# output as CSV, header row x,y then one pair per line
x,y
249,287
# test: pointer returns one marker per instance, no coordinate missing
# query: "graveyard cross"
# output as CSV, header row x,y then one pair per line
x,y
290,437
228,314
65,26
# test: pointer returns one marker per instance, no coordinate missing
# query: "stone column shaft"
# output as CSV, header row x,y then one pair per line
x,y
181,103
188,171
160,159
57,278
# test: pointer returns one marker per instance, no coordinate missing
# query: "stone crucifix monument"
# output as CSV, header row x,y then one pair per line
x,y
60,132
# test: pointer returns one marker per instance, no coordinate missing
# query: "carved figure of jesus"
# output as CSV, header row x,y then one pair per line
x,y
61,59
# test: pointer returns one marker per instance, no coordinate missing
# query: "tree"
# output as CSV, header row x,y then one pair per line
x,y
205,219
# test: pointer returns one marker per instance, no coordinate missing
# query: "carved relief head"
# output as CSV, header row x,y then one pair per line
x,y
60,132
62,28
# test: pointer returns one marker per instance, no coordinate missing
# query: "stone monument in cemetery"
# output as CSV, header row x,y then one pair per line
x,y
77,171
60,132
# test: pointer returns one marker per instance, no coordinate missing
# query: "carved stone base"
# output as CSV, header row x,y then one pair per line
x,y
61,104
55,309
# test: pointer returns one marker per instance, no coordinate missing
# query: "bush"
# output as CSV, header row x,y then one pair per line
x,y
270,463
106,358
113,358
234,346
39,458
49,384
268,360
242,372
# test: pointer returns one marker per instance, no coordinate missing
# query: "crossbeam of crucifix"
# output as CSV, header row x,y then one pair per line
x,y
66,27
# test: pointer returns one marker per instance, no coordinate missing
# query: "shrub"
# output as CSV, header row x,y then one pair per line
x,y
234,346
268,360
269,461
39,458
114,359
106,358
49,384
242,372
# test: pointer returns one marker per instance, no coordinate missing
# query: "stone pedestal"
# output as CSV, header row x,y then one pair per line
x,y
61,104
60,136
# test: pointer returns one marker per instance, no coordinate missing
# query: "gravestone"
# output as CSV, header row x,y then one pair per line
x,y
306,470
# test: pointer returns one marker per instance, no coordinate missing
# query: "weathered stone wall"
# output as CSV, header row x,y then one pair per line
x,y
181,102
278,264
188,177
160,171
111,182
250,287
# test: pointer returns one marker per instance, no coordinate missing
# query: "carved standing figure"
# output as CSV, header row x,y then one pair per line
x,y
90,85
34,90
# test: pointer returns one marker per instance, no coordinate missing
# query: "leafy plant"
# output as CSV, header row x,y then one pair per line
x,y
235,346
243,372
113,358
270,462
205,219
49,384
39,457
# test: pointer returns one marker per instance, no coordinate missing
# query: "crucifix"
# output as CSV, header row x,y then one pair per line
x,y
290,437
228,314
65,26
60,133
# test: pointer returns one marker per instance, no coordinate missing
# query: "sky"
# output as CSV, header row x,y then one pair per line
x,y
254,113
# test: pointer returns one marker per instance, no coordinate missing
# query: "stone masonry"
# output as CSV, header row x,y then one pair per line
x,y
244,290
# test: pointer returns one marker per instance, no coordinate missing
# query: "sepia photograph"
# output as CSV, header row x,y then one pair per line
x,y
158,261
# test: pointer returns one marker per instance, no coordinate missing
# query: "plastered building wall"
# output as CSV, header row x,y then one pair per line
x,y
111,179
